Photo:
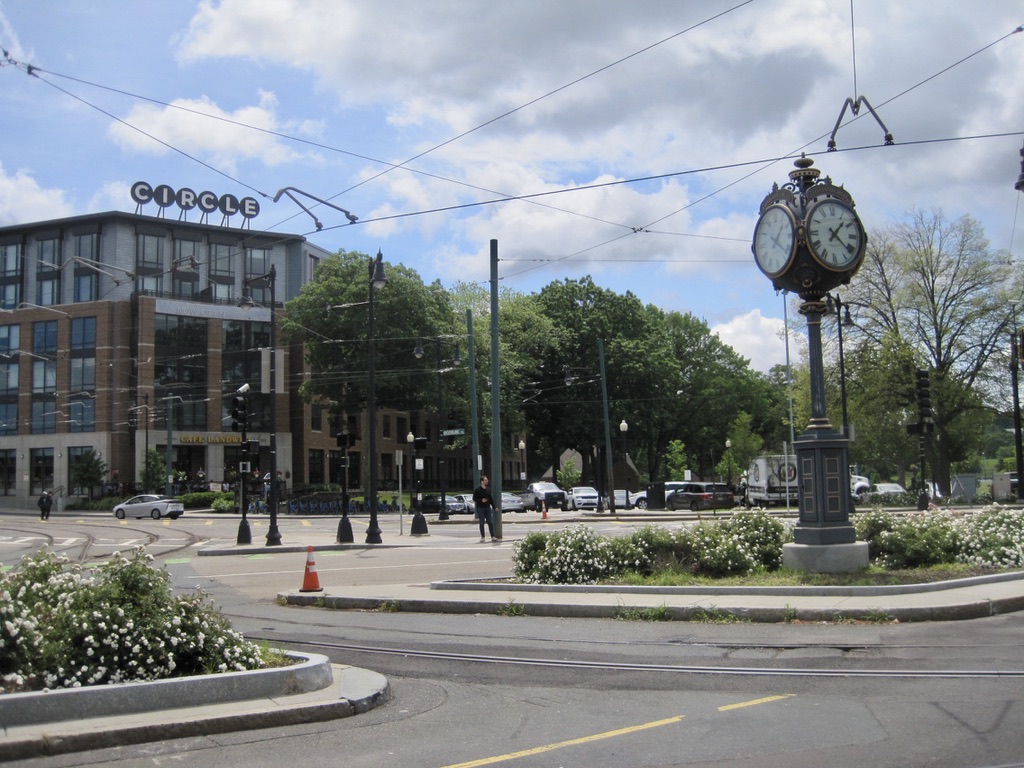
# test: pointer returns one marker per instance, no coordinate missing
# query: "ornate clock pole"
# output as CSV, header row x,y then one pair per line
x,y
809,240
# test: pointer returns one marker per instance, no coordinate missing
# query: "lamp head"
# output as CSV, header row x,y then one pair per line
x,y
243,389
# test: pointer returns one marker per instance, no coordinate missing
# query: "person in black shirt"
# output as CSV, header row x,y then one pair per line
x,y
484,504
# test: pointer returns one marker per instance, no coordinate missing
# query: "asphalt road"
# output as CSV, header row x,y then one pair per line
x,y
527,691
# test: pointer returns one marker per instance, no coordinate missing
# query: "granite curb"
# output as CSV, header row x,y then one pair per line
x,y
348,691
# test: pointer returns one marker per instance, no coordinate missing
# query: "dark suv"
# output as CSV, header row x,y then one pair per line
x,y
698,496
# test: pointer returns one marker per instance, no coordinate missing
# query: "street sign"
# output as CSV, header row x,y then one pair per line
x,y
453,432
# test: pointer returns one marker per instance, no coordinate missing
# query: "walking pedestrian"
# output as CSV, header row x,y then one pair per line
x,y
45,502
484,504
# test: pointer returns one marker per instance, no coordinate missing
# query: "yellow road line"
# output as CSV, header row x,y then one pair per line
x,y
754,702
569,743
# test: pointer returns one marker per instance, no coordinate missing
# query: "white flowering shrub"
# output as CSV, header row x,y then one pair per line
x,y
65,629
575,555
992,538
748,542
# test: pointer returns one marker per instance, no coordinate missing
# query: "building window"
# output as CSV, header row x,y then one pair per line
x,y
10,295
44,337
9,373
48,292
221,292
180,369
316,466
385,426
41,465
150,284
75,455
87,246
184,288
186,255
221,257
257,262
83,333
316,420
82,415
149,251
9,418
8,471
10,260
44,377
86,287
10,338
48,253
83,374
44,417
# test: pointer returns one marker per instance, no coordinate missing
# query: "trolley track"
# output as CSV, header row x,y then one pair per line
x,y
79,544
657,668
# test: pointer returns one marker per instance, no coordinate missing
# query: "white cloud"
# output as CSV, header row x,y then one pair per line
x,y
759,339
23,200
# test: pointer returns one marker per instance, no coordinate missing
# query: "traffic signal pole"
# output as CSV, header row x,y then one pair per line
x,y
239,422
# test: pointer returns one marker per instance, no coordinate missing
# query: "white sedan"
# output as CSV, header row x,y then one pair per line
x,y
150,505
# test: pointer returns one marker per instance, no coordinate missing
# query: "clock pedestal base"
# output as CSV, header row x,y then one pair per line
x,y
826,558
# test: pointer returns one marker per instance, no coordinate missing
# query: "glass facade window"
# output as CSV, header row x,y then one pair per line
x,y
10,260
10,338
44,417
83,374
44,377
82,415
10,295
221,258
149,251
83,333
9,373
86,287
257,262
316,466
221,292
75,455
44,337
180,369
183,288
8,471
41,465
48,253
87,246
9,418
152,284
48,292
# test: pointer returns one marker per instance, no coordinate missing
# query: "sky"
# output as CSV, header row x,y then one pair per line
x,y
631,142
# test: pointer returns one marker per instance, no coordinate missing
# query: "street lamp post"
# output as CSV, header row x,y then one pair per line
x,y
522,465
418,352
273,533
419,522
843,319
623,429
377,280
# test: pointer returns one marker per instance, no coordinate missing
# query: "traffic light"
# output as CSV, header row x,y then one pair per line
x,y
239,413
924,397
346,440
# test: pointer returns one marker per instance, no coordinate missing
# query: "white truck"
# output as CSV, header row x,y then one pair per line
x,y
770,480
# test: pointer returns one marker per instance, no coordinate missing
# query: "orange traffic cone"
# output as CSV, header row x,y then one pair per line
x,y
544,510
311,582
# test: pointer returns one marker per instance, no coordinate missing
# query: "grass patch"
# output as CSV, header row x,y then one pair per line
x,y
870,577
511,608
657,613
715,615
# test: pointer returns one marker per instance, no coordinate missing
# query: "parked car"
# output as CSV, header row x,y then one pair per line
x,y
883,492
698,496
512,503
549,493
431,504
621,497
581,497
150,505
639,499
467,499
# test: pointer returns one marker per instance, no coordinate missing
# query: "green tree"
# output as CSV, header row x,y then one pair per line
x,y
676,459
89,471
568,476
153,473
934,285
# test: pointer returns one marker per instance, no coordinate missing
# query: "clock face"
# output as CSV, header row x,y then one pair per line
x,y
835,235
774,240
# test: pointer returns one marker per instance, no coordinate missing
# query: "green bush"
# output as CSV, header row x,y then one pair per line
x,y
63,628
201,499
225,502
